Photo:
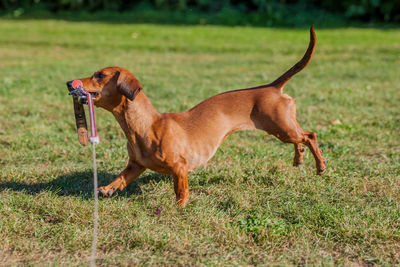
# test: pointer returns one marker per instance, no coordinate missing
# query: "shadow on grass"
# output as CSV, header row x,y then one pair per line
x,y
81,184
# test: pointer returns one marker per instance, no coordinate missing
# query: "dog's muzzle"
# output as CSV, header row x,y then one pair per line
x,y
76,90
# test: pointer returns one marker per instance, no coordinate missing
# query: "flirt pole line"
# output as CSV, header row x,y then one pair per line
x,y
94,139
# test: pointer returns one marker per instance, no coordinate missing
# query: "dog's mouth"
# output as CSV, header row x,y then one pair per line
x,y
84,100
94,94
82,96
76,89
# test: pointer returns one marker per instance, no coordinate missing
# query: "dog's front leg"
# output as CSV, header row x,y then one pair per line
x,y
181,184
132,171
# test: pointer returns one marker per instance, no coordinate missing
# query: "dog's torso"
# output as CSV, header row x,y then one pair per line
x,y
158,141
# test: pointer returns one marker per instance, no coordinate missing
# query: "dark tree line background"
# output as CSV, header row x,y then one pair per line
x,y
253,10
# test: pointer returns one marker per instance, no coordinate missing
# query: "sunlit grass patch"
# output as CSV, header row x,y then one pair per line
x,y
248,206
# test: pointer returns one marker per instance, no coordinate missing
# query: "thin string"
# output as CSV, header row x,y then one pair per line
x,y
96,212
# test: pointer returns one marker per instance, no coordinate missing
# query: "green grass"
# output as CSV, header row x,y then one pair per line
x,y
249,206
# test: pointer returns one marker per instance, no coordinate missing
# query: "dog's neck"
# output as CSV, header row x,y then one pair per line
x,y
141,113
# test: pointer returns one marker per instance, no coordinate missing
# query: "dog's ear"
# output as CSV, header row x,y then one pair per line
x,y
128,85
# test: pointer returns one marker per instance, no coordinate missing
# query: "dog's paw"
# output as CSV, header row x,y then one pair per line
x,y
297,163
106,191
321,168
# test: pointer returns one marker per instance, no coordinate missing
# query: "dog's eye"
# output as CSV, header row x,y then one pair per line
x,y
99,75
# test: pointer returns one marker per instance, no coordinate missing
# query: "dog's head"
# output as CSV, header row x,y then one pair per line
x,y
110,85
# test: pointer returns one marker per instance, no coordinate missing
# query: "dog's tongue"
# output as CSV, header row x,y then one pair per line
x,y
77,84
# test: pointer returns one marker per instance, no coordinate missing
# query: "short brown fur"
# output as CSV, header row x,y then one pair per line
x,y
178,143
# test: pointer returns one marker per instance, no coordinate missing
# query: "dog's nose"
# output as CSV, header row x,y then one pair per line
x,y
69,85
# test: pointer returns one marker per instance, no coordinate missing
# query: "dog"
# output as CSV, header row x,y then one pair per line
x,y
178,143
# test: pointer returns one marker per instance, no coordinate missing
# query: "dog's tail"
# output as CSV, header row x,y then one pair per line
x,y
284,78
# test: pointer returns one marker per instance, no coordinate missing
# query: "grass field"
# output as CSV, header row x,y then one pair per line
x,y
249,206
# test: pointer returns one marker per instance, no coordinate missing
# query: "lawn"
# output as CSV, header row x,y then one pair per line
x,y
248,206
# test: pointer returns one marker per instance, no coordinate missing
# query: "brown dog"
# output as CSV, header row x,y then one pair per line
x,y
178,143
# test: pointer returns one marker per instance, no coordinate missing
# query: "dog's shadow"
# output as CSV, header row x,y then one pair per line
x,y
81,184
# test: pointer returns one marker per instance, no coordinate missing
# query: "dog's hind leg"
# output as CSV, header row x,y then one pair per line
x,y
310,140
286,128
298,154
132,171
298,137
291,132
